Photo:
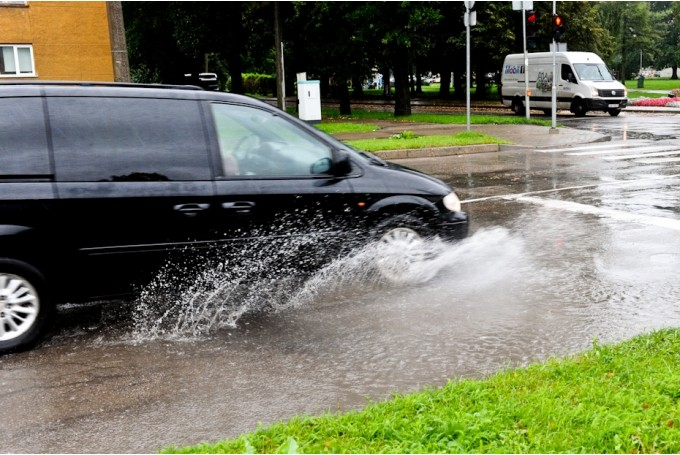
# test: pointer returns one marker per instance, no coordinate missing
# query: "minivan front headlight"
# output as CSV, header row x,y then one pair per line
x,y
452,202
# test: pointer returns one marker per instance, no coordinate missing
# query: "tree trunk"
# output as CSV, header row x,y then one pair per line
x,y
387,85
234,52
445,81
343,95
357,87
402,95
675,72
480,93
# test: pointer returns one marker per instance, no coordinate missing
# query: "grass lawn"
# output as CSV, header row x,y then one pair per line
x,y
458,119
407,140
654,84
622,398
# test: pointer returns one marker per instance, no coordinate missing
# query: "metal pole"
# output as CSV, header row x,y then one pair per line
x,y
526,61
554,83
467,62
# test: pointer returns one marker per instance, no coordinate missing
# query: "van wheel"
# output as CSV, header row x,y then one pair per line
x,y
578,108
547,112
518,106
614,112
24,306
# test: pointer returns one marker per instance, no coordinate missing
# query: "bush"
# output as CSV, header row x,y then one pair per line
x,y
258,84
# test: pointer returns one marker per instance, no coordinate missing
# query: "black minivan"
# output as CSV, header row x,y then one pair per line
x,y
101,183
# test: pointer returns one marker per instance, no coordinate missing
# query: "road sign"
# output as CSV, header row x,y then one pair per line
x,y
522,5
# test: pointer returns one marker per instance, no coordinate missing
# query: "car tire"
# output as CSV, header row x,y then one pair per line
x,y
402,246
24,305
578,108
518,106
614,112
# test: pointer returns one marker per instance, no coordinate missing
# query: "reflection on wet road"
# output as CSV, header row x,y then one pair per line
x,y
564,250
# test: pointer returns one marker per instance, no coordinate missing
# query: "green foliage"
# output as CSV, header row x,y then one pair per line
x,y
258,84
621,398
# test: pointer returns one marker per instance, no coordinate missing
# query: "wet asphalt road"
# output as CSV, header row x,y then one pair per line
x,y
567,246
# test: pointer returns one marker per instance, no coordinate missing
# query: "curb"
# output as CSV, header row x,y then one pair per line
x,y
436,151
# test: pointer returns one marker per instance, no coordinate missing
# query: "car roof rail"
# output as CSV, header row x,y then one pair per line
x,y
103,84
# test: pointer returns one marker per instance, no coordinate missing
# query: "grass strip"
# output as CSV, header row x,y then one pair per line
x,y
448,119
346,127
621,398
407,141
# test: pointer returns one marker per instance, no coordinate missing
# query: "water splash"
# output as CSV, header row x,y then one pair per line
x,y
196,301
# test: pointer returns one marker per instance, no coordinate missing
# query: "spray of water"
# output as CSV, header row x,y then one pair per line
x,y
274,276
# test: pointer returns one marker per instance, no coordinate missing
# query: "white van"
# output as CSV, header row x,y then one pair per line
x,y
584,83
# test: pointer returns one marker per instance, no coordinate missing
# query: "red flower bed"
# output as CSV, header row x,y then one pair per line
x,y
653,101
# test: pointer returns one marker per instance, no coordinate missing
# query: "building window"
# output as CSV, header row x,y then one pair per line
x,y
16,60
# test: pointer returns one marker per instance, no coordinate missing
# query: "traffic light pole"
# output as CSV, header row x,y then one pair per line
x,y
526,62
554,81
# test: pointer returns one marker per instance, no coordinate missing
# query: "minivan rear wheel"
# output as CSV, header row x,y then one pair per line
x,y
24,307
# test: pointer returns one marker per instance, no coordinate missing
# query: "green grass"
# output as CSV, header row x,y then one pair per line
x,y
410,141
621,398
457,119
346,127
633,94
654,84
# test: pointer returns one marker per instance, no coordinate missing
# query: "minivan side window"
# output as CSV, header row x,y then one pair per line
x,y
102,139
256,142
23,138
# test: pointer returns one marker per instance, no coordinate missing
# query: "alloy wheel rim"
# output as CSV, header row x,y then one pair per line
x,y
19,306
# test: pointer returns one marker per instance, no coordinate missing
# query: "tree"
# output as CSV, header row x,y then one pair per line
x,y
631,25
666,19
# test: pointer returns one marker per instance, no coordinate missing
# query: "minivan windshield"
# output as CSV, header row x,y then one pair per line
x,y
593,72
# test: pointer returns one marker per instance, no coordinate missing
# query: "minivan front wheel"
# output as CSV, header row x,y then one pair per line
x,y
402,246
23,305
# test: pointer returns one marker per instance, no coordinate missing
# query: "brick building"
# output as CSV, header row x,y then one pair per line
x,y
55,40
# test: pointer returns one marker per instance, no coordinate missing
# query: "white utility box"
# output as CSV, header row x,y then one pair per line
x,y
309,101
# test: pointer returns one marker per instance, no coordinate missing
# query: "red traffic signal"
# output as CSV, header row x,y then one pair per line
x,y
558,26
532,28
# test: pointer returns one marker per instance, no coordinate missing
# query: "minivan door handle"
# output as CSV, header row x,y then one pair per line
x,y
191,209
240,207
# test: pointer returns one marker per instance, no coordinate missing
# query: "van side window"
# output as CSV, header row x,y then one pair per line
x,y
23,139
127,139
256,142
568,73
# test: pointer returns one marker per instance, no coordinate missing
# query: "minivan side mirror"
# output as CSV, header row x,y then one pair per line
x,y
343,164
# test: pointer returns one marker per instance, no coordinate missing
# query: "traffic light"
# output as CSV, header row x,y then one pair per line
x,y
558,27
532,28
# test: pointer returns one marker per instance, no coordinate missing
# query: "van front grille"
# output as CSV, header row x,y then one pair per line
x,y
611,93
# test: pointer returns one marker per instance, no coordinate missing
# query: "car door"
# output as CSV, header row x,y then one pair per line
x,y
134,181
277,182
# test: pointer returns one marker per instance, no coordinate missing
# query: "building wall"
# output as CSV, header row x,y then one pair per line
x,y
70,39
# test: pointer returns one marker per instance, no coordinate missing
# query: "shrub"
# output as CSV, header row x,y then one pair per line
x,y
258,84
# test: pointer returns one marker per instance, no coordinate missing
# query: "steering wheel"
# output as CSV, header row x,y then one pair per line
x,y
245,145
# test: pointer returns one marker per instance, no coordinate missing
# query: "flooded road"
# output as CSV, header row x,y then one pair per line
x,y
564,249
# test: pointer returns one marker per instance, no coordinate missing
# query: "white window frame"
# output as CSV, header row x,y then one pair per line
x,y
17,66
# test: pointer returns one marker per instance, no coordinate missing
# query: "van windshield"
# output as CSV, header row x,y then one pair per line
x,y
593,72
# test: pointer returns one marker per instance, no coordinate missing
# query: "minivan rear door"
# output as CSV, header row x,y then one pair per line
x,y
134,179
